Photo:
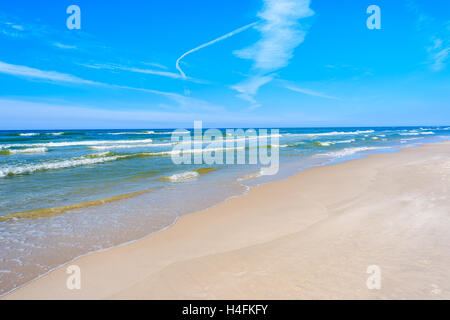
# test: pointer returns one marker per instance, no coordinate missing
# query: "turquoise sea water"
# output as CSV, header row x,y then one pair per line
x,y
66,193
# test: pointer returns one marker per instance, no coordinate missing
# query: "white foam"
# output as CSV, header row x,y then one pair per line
x,y
170,132
328,143
333,133
148,145
74,162
29,134
250,176
134,132
279,145
408,139
199,150
29,150
184,176
412,133
350,151
55,133
415,133
78,143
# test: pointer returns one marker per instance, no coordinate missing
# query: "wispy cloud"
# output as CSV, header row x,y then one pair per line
x,y
11,29
183,102
27,72
230,34
161,73
156,65
52,114
152,71
439,49
439,54
311,92
15,28
281,33
64,46
248,88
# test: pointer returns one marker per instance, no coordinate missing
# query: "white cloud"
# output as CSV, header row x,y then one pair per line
x,y
281,33
27,72
232,33
183,102
248,88
20,114
311,92
161,73
440,59
438,54
438,51
154,64
17,27
154,72
64,46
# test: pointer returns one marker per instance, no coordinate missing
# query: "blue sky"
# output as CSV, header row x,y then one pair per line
x,y
240,64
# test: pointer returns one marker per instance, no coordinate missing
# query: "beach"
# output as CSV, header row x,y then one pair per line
x,y
310,236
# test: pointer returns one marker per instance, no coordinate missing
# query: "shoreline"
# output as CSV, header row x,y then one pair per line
x,y
185,225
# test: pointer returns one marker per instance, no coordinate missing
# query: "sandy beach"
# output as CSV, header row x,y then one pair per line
x,y
311,236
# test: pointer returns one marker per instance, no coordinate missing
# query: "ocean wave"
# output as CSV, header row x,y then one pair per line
x,y
329,143
188,175
130,146
254,175
55,133
74,162
279,145
30,134
409,134
349,151
19,151
169,132
333,133
77,143
50,212
98,158
323,143
415,133
405,140
132,132
184,176
250,176
192,151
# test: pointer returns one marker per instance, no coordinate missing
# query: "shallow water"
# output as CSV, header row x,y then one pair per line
x,y
67,193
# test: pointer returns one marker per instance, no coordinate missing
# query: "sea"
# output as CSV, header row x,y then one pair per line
x,y
68,193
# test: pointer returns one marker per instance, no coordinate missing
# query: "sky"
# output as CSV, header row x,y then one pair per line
x,y
228,63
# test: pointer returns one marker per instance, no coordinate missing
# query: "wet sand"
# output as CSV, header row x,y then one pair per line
x,y
311,236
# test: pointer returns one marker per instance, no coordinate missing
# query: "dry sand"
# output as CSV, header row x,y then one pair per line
x,y
311,236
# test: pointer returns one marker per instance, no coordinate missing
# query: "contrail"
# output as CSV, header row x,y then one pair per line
x,y
232,33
